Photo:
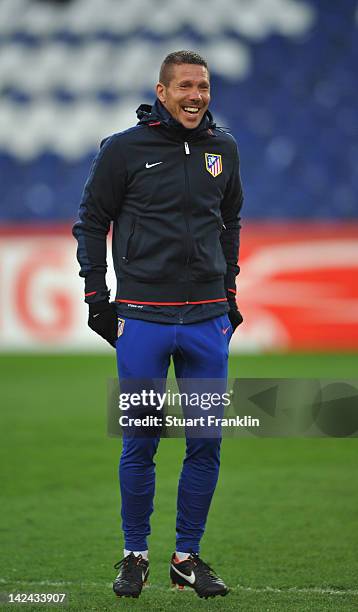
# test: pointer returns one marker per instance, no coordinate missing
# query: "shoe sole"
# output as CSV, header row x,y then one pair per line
x,y
182,587
145,584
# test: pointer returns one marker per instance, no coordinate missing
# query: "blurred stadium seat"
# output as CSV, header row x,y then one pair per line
x,y
283,75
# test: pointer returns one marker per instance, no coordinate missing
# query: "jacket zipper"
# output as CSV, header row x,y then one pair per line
x,y
185,208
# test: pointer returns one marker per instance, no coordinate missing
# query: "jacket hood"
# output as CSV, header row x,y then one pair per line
x,y
158,114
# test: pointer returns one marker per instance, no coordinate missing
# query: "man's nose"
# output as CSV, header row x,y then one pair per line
x,y
195,95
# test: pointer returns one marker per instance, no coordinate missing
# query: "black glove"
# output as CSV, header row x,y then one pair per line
x,y
102,318
234,314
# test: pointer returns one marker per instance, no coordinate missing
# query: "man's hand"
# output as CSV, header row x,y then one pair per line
x,y
102,318
234,314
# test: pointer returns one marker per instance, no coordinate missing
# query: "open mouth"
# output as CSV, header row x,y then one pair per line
x,y
191,110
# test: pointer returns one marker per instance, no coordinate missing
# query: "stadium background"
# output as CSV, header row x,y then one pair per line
x,y
284,81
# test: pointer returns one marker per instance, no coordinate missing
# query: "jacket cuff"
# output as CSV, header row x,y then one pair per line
x,y
95,288
230,289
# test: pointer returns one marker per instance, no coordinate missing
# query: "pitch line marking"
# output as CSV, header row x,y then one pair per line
x,y
157,587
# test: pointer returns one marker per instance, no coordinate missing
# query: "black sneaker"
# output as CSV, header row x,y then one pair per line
x,y
197,575
133,574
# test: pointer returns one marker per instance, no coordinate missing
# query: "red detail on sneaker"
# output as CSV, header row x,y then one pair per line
x,y
176,560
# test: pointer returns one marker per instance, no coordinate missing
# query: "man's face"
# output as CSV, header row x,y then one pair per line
x,y
187,96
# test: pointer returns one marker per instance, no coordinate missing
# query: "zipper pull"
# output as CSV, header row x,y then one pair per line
x,y
186,147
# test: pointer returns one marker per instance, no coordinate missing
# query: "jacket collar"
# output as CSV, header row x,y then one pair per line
x,y
158,114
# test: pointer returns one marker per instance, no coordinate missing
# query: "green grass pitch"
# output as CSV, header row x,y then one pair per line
x,y
283,528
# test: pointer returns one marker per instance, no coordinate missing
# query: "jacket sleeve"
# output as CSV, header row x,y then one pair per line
x,y
230,236
100,204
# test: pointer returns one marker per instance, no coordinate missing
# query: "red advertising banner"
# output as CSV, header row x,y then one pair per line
x,y
297,290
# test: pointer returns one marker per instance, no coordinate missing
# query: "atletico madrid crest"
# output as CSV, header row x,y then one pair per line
x,y
213,164
120,328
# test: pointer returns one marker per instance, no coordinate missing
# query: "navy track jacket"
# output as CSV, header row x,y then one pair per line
x,y
174,196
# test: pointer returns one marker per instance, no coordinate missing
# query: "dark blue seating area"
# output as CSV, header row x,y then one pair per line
x,y
294,114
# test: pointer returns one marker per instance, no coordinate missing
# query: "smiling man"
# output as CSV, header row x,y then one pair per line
x,y
171,187
184,90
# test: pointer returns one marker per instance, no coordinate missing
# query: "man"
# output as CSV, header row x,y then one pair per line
x,y
171,187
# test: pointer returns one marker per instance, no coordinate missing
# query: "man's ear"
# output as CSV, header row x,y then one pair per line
x,y
160,91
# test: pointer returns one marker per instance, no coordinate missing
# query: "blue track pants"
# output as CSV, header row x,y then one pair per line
x,y
199,350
